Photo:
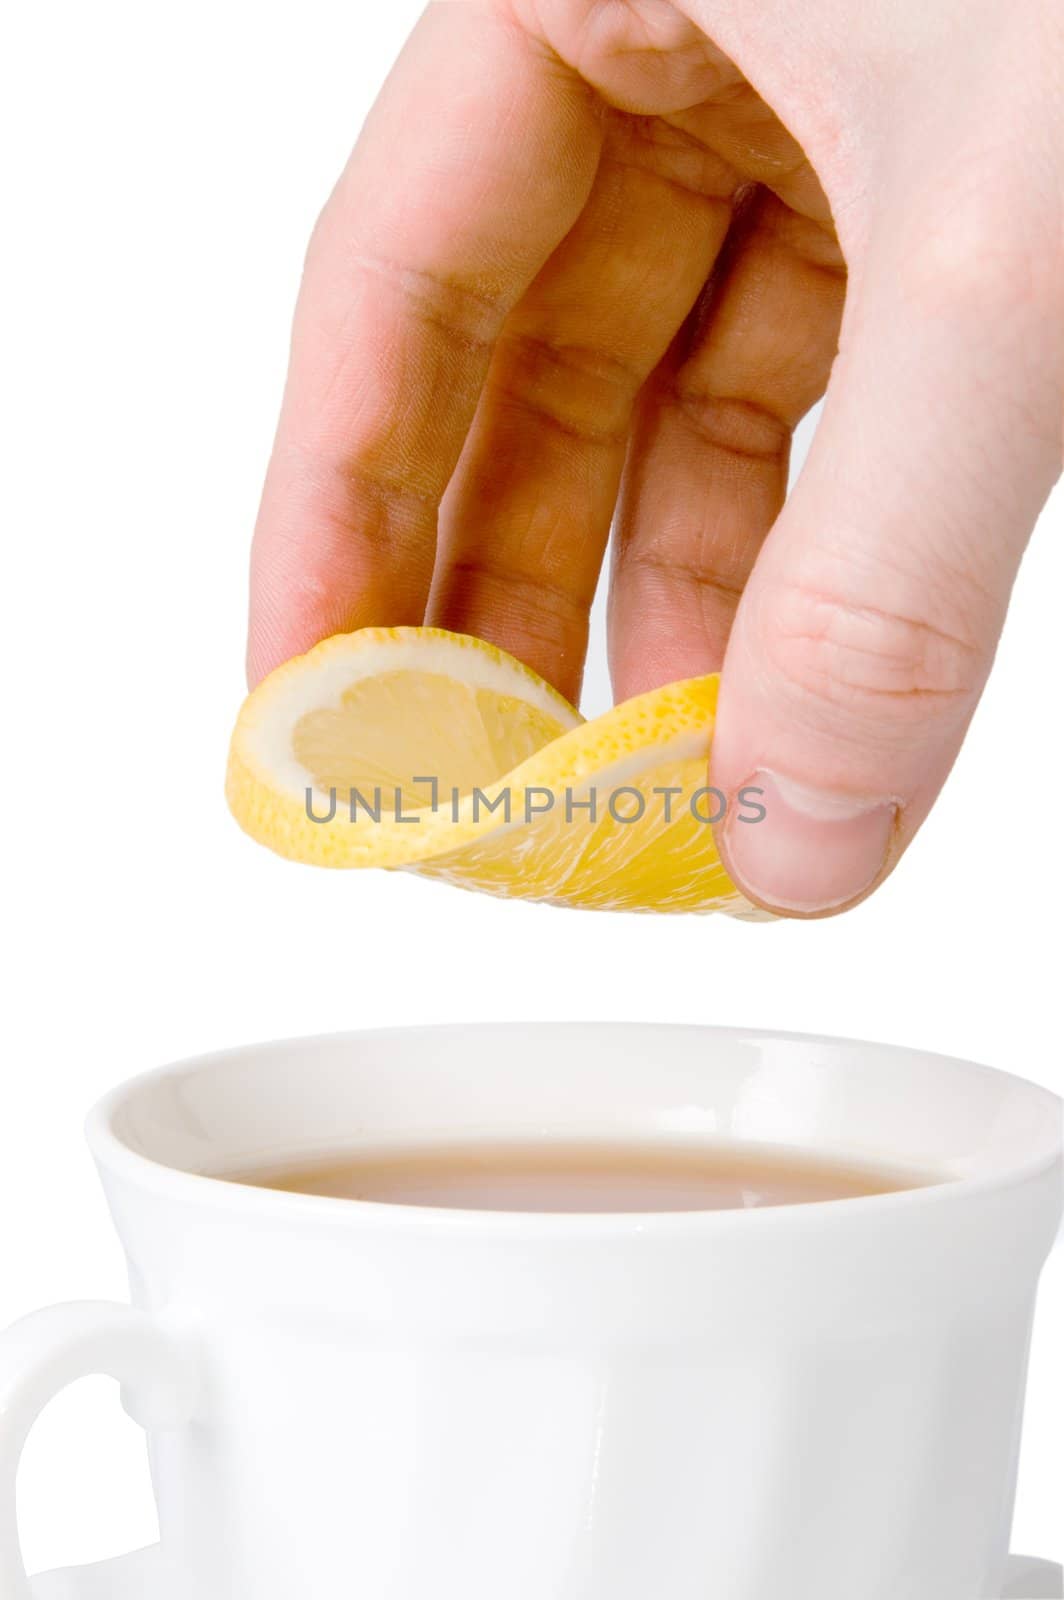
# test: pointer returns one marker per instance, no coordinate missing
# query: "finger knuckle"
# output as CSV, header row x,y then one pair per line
x,y
857,662
965,258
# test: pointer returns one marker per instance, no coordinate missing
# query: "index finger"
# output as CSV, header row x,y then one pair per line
x,y
473,165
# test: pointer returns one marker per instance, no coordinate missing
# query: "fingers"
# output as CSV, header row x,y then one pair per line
x,y
749,135
707,473
474,164
527,518
868,627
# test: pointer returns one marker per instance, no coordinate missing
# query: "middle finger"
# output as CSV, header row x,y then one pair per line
x,y
525,521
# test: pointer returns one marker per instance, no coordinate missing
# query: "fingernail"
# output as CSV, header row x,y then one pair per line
x,y
811,851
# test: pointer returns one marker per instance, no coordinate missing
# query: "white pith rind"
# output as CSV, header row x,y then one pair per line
x,y
327,672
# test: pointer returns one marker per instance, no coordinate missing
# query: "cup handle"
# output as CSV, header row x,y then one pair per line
x,y
46,1352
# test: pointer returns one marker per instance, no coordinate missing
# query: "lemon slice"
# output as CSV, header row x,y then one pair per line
x,y
434,752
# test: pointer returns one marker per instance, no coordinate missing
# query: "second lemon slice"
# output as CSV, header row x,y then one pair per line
x,y
435,752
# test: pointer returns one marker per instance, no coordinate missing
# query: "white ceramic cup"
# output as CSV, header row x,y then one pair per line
x,y
395,1403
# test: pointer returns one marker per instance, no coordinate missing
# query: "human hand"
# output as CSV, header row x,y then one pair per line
x,y
589,261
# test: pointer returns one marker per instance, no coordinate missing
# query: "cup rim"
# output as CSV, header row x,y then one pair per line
x,y
116,1157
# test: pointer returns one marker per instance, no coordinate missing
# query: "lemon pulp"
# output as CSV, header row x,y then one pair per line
x,y
436,753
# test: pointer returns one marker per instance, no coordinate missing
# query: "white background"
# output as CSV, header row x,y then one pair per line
x,y
166,166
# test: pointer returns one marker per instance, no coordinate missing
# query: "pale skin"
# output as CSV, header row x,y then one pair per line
x,y
590,263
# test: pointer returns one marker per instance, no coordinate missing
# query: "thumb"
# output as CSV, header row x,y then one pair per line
x,y
869,625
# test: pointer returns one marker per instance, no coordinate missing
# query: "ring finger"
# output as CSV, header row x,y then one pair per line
x,y
707,470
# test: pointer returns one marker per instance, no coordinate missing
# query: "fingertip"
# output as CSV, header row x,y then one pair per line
x,y
803,852
661,631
